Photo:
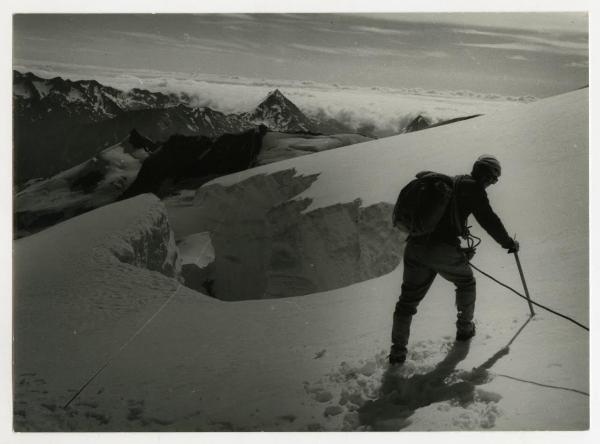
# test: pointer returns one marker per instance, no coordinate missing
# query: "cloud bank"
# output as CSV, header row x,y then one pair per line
x,y
379,110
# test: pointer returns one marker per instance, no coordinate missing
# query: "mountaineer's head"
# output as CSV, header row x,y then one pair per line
x,y
486,170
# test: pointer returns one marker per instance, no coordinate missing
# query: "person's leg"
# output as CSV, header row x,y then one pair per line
x,y
416,280
453,266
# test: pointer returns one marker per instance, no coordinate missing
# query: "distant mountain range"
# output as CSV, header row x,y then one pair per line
x,y
60,123
83,101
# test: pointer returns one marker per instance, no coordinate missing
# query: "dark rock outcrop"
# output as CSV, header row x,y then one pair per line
x,y
137,141
419,123
194,160
96,182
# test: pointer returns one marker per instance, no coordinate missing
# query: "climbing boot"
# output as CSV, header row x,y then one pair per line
x,y
397,355
465,331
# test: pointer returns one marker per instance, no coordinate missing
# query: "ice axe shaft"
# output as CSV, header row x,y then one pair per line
x,y
524,283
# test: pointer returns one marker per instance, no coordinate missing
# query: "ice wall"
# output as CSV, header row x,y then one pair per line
x,y
267,247
149,244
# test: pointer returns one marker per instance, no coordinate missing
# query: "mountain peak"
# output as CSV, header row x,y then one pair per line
x,y
275,97
420,122
276,93
279,113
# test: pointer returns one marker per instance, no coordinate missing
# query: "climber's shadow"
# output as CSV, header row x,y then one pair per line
x,y
399,396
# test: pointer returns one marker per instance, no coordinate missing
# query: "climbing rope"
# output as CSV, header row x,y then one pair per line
x,y
472,243
581,392
125,344
529,300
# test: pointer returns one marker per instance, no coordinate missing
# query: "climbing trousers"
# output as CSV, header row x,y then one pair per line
x,y
423,261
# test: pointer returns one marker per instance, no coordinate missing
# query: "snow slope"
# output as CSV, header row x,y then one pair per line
x,y
91,184
76,295
317,362
278,146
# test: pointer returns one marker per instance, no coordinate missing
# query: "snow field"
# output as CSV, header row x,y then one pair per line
x,y
281,146
83,287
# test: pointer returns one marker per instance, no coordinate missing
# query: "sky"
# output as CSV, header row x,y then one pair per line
x,y
539,54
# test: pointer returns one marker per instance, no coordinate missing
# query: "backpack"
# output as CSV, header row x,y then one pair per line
x,y
422,203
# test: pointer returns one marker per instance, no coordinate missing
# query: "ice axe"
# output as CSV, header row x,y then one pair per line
x,y
514,251
526,296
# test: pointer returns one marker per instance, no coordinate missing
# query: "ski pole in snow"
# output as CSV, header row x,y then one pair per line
x,y
524,283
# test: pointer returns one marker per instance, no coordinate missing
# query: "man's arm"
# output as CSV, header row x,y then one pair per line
x,y
491,222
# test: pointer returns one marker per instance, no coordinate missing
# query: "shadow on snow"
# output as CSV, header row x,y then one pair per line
x,y
399,397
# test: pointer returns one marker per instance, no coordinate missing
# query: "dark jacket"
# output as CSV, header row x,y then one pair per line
x,y
471,198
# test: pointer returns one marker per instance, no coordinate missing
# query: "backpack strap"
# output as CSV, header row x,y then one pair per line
x,y
461,229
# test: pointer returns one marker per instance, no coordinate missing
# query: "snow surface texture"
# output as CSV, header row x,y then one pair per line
x,y
80,287
317,362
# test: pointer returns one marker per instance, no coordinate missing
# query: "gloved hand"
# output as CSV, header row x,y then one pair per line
x,y
513,246
468,252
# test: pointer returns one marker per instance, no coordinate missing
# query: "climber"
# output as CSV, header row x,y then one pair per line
x,y
439,251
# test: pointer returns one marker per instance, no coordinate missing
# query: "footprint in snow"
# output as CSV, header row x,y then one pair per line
x,y
400,395
289,418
